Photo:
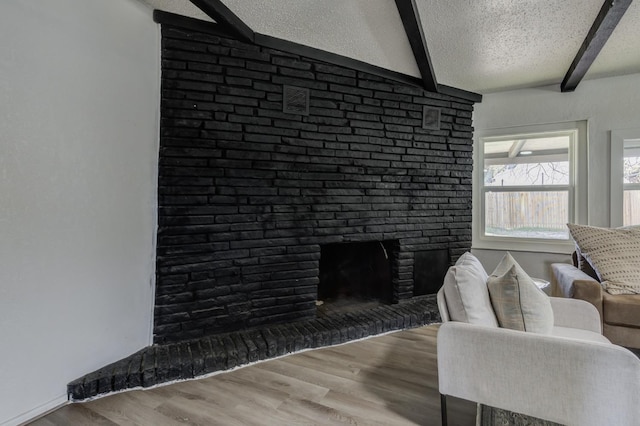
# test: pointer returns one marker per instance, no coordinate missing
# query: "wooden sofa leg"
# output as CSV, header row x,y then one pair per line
x,y
443,409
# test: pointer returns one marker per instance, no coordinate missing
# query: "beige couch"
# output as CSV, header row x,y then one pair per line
x,y
620,314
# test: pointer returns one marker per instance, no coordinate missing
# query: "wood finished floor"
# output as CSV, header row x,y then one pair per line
x,y
384,380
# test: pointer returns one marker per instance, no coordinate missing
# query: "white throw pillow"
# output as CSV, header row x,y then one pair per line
x,y
614,255
517,301
465,290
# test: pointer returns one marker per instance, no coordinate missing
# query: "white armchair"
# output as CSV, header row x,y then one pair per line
x,y
574,376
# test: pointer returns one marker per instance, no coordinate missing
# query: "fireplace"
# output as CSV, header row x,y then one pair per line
x,y
355,275
264,213
254,201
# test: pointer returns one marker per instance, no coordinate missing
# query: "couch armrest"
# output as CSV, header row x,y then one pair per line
x,y
568,381
575,313
569,281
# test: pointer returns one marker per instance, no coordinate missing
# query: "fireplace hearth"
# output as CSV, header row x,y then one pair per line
x,y
195,358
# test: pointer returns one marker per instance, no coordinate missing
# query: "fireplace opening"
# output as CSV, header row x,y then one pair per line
x,y
430,267
355,276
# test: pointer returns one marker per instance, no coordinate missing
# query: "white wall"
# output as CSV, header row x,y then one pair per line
x,y
79,99
607,104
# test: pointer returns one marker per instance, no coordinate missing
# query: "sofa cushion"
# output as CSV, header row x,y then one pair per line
x,y
613,253
517,301
621,309
465,290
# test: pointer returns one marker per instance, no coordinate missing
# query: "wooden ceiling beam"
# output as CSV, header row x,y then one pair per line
x,y
226,18
606,21
410,17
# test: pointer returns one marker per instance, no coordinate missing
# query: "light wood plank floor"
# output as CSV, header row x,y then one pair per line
x,y
384,380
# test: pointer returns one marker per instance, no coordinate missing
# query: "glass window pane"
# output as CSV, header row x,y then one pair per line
x,y
535,214
553,173
631,170
631,208
532,161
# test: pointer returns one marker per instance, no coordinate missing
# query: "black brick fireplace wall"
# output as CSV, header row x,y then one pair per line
x,y
248,194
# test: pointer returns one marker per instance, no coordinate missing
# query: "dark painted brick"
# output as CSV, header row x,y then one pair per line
x,y
148,368
331,69
350,90
291,63
237,172
299,82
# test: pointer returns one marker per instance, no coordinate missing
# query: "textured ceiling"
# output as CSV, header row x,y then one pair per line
x,y
481,46
493,45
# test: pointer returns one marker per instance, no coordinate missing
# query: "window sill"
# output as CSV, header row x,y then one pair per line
x,y
519,244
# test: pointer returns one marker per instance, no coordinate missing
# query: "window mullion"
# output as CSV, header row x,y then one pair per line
x,y
526,188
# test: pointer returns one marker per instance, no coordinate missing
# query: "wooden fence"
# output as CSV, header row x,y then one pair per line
x,y
631,210
544,211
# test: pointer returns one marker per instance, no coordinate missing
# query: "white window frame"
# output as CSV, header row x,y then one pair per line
x,y
577,187
618,138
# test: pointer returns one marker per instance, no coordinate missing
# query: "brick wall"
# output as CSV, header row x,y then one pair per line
x,y
247,193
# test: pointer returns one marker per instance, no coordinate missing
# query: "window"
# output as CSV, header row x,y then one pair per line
x,y
526,187
625,177
631,183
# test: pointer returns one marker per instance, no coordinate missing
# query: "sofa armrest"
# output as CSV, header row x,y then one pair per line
x,y
568,381
575,313
569,281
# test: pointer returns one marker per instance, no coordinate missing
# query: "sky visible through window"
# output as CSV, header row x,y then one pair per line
x,y
553,173
631,170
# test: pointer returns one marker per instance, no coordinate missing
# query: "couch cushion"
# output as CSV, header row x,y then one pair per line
x,y
613,253
621,309
517,301
465,290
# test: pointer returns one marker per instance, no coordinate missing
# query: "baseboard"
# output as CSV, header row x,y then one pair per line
x,y
36,412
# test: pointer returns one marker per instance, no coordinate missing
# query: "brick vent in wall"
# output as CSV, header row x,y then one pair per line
x,y
248,194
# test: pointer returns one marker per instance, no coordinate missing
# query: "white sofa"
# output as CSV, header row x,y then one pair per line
x,y
573,376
